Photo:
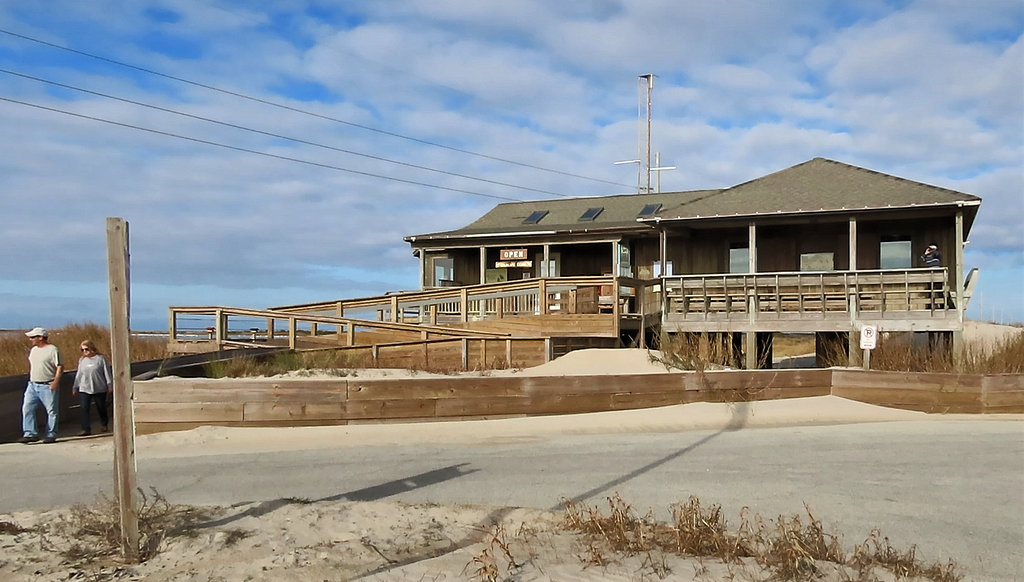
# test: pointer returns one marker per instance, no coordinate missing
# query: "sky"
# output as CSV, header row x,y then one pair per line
x,y
150,117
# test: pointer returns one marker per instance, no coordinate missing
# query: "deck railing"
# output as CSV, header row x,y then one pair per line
x,y
802,295
240,327
537,296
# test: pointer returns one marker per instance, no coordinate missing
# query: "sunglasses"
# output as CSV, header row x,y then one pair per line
x,y
86,349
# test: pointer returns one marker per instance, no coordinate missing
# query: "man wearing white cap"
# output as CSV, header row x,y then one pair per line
x,y
45,370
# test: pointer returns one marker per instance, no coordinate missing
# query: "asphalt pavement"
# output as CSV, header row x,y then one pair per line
x,y
954,488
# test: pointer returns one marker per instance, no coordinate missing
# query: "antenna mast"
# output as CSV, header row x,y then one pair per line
x,y
645,84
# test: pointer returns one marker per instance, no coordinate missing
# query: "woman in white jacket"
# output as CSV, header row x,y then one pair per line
x,y
93,381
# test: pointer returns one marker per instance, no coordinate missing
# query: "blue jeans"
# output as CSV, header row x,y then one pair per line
x,y
36,394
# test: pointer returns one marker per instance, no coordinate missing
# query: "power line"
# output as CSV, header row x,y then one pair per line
x,y
278,136
249,151
303,111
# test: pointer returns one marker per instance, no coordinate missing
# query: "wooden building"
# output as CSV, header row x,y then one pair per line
x,y
821,247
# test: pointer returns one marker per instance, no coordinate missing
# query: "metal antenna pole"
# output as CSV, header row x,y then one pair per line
x,y
645,84
657,164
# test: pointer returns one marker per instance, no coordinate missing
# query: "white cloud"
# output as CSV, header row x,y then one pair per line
x,y
933,91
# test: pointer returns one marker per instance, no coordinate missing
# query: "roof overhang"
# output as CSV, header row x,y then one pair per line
x,y
972,204
526,233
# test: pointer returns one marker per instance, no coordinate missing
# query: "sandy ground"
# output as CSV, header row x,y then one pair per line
x,y
293,539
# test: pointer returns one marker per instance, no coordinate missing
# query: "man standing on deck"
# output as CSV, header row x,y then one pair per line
x,y
45,370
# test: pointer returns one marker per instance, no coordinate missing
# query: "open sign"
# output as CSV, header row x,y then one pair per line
x,y
512,254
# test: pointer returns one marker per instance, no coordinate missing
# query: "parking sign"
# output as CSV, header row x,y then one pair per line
x,y
868,337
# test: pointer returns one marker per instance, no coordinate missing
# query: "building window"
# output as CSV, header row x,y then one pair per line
x,y
444,271
535,217
739,259
649,210
896,254
817,262
657,269
591,214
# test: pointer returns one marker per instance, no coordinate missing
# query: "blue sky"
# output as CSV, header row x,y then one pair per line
x,y
930,90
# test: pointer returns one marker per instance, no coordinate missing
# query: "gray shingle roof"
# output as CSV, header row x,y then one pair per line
x,y
818,185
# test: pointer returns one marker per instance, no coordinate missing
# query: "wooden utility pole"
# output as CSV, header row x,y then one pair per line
x,y
120,355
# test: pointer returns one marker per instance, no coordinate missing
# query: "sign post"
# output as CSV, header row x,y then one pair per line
x,y
121,364
868,342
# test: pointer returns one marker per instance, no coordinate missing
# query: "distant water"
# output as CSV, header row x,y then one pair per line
x,y
7,333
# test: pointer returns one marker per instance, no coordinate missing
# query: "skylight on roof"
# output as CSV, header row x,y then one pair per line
x,y
535,217
649,210
591,214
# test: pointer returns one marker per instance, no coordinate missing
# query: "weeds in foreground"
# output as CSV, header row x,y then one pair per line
x,y
92,533
791,548
14,350
496,557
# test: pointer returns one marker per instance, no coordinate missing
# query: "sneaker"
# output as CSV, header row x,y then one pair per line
x,y
49,440
27,439
85,433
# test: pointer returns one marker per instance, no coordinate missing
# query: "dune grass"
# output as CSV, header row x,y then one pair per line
x,y
901,353
896,352
14,350
797,548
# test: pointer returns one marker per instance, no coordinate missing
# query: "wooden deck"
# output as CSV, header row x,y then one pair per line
x,y
898,300
589,307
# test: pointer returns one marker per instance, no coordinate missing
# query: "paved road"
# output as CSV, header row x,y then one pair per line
x,y
954,488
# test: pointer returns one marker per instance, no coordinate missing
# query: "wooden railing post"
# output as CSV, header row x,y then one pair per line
x,y
641,293
465,354
433,314
172,325
394,308
270,329
542,296
463,305
350,333
616,303
219,333
292,332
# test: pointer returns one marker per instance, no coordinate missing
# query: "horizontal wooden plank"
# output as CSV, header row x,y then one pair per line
x,y
1007,409
886,396
970,383
155,427
649,400
1005,398
1002,383
390,409
204,412
423,388
242,393
523,405
282,411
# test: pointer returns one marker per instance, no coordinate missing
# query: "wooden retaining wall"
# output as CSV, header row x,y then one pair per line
x,y
186,403
938,393
179,404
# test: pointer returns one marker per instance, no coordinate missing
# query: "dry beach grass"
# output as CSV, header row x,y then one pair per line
x,y
301,540
14,349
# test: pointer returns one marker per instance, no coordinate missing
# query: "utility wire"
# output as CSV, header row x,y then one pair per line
x,y
249,151
305,112
278,136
